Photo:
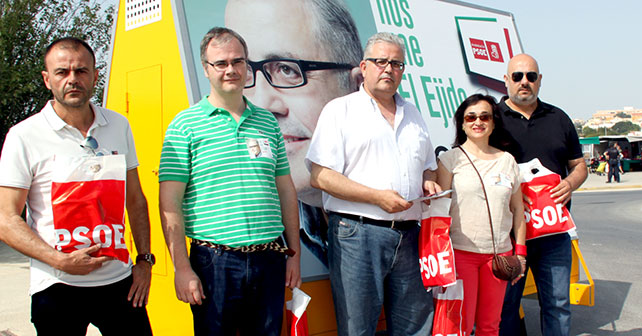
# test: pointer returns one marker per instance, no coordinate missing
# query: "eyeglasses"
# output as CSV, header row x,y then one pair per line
x,y
518,75
383,63
223,65
90,143
286,73
482,117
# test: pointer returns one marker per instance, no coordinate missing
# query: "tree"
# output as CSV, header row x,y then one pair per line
x,y
26,28
624,127
592,132
623,115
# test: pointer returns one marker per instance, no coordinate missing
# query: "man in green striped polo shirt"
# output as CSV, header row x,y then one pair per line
x,y
225,183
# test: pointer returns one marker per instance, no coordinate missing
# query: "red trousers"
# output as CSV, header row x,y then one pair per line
x,y
483,292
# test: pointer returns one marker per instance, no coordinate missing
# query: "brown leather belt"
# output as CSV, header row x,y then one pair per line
x,y
271,246
393,224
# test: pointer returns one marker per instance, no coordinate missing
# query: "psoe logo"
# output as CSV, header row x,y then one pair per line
x,y
486,50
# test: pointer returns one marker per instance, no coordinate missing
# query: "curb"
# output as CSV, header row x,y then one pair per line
x,y
606,188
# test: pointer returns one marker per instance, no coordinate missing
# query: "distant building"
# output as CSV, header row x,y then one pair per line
x,y
608,118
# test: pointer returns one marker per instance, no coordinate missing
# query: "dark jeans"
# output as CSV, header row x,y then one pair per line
x,y
614,171
243,291
550,260
67,310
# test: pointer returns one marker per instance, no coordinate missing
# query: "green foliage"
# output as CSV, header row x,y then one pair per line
x,y
591,132
620,128
624,127
623,115
26,28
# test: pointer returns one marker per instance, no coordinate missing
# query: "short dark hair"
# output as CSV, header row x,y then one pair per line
x,y
220,35
499,138
69,42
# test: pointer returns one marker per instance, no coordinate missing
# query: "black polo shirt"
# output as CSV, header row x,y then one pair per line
x,y
548,135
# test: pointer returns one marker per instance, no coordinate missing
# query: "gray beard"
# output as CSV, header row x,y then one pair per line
x,y
523,100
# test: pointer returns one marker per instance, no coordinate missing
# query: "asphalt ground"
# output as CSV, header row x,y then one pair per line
x,y
14,268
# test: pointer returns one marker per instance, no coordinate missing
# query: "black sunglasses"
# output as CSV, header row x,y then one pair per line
x,y
518,75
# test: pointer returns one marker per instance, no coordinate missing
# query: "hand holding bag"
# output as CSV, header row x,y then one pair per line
x,y
436,257
296,316
504,267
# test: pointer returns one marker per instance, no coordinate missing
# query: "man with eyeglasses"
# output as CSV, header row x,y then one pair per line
x,y
543,131
232,203
371,156
81,272
303,53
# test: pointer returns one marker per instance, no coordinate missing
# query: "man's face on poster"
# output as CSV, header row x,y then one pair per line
x,y
282,29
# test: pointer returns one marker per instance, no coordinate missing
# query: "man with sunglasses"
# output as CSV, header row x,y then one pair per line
x,y
231,202
543,131
371,156
303,53
80,269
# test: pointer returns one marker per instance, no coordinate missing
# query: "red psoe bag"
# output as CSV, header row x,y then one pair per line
x,y
88,204
449,311
296,316
436,257
543,217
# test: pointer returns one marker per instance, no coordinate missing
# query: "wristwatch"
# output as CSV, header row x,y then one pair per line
x,y
148,257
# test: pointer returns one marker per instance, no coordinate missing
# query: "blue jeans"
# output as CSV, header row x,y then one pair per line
x,y
550,260
373,267
243,291
62,309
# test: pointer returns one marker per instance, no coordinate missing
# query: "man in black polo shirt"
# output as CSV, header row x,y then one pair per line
x,y
542,131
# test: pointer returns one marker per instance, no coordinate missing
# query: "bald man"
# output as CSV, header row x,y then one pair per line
x,y
542,131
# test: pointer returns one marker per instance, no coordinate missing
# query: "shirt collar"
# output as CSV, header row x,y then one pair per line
x,y
57,123
540,109
209,109
399,101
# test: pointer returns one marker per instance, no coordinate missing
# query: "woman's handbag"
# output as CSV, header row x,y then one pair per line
x,y
504,267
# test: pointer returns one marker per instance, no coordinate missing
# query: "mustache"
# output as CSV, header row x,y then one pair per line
x,y
71,87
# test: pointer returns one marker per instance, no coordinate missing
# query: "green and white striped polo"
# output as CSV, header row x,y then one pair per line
x,y
230,169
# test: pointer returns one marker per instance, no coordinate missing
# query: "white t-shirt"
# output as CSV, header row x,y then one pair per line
x,y
353,138
27,162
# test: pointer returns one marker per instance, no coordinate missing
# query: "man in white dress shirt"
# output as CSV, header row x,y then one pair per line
x,y
371,156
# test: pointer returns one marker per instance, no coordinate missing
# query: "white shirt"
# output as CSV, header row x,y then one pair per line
x,y
353,138
27,162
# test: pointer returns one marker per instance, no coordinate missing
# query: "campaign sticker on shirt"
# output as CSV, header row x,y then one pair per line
x,y
258,148
502,180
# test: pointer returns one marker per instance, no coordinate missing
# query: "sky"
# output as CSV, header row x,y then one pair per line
x,y
589,52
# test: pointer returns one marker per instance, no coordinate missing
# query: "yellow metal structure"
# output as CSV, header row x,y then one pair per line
x,y
146,84
580,293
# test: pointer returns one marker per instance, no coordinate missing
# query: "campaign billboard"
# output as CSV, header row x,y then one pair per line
x,y
453,49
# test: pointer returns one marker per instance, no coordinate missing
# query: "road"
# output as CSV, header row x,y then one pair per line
x,y
610,230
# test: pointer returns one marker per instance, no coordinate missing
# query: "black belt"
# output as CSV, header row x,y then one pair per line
x,y
393,224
